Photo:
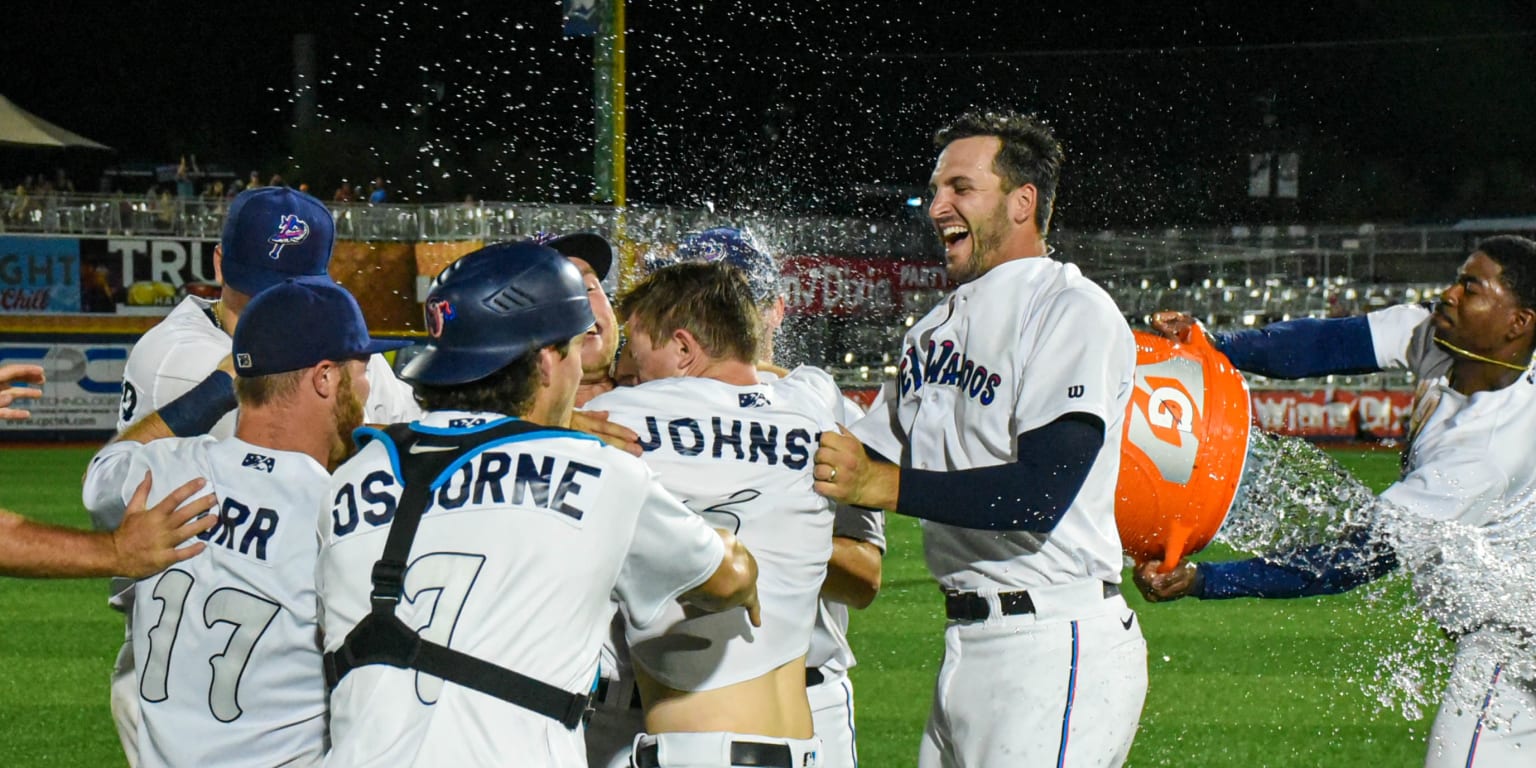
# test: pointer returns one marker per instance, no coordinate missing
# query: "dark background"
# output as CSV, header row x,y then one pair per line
x,y
1402,110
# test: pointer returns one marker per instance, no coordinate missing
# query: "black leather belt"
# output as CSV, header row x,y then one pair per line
x,y
602,693
970,606
744,753
813,676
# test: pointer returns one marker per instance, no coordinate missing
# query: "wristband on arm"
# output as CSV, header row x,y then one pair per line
x,y
201,407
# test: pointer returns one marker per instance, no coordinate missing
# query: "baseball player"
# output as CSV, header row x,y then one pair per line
x,y
270,234
592,255
858,534
737,450
1467,462
469,558
1002,432
226,644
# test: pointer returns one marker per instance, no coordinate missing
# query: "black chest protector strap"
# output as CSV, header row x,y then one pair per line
x,y
382,638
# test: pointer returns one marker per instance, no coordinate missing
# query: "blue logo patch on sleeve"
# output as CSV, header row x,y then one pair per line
x,y
753,400
259,462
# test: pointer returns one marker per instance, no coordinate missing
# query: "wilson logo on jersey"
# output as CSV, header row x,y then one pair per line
x,y
949,369
259,462
1075,391
753,400
291,230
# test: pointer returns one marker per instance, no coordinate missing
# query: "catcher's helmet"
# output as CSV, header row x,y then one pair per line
x,y
495,305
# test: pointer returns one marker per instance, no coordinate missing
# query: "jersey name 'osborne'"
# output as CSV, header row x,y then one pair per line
x,y
739,439
951,369
490,479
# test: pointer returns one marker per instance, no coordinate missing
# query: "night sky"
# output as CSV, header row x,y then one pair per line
x,y
1412,110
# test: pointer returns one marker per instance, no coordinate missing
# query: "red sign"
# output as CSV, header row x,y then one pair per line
x,y
837,285
1344,414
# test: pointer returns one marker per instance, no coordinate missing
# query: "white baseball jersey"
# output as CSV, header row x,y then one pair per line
x,y
177,354
515,563
181,350
740,456
1022,345
830,650
226,644
170,359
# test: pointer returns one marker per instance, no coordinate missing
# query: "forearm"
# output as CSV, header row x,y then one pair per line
x,y
1301,348
1322,569
1029,494
853,573
30,549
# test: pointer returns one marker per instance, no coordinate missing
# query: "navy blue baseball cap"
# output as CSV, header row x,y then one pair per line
x,y
272,234
590,247
300,322
732,246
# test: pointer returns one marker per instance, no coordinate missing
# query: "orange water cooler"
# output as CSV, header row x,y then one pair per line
x,y
1186,439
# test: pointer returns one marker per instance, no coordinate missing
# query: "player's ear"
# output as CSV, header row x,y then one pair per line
x,y
549,358
325,377
1021,203
1522,322
687,347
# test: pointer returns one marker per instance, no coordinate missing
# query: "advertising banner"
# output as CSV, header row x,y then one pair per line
x,y
84,387
39,274
47,275
841,286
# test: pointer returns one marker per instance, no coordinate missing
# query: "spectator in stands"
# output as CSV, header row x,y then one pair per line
x,y
254,181
276,181
376,191
185,188
343,194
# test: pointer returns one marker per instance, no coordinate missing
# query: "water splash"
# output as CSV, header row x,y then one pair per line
x,y
1474,581
1293,495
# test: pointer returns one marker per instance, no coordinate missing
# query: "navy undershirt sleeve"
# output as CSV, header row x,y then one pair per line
x,y
1322,569
1030,494
1296,349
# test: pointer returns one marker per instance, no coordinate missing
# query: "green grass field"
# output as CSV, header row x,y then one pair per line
x,y
1237,683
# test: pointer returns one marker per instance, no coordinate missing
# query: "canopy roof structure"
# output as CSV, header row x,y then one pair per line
x,y
19,127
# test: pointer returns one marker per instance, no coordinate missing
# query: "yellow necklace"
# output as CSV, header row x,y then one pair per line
x,y
1474,356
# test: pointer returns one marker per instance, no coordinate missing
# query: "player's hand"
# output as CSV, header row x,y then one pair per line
x,y
28,374
596,423
1176,325
147,541
754,610
1163,587
845,473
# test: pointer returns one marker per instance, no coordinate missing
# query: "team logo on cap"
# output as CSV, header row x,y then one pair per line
x,y
243,360
439,311
291,230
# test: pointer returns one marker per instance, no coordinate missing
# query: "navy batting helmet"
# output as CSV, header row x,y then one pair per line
x,y
495,305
